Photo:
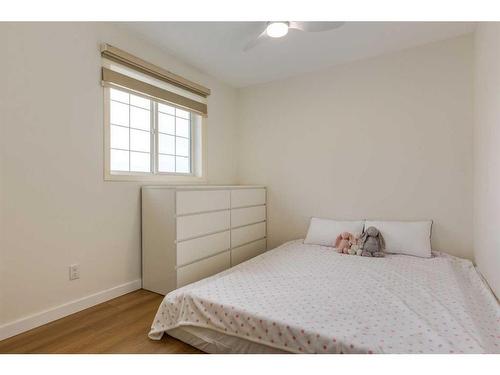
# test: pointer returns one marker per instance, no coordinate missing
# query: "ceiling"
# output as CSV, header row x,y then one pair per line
x,y
216,48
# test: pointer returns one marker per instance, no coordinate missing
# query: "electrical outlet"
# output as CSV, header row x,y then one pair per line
x,y
74,271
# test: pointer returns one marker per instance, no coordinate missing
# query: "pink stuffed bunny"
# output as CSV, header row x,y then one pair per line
x,y
342,243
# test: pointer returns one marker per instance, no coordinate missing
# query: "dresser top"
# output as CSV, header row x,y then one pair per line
x,y
202,187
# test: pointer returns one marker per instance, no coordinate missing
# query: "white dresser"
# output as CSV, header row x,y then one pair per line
x,y
192,232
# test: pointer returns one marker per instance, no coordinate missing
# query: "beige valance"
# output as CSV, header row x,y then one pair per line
x,y
121,80
170,89
152,70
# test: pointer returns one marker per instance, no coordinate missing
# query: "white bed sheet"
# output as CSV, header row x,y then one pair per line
x,y
307,298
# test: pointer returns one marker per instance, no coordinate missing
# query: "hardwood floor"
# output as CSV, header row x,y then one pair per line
x,y
120,325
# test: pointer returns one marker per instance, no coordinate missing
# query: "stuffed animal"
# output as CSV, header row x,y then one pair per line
x,y
372,243
355,248
342,243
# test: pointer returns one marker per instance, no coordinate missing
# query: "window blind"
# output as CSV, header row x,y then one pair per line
x,y
183,93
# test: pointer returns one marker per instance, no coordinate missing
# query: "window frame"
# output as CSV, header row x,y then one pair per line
x,y
156,137
197,145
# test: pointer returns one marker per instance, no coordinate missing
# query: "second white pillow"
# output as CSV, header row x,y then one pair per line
x,y
405,237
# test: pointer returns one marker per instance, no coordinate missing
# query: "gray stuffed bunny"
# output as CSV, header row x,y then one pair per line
x,y
372,243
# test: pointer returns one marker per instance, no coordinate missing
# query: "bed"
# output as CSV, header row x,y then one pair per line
x,y
301,298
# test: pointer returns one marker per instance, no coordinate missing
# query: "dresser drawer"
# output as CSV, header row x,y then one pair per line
x,y
189,202
247,234
201,224
248,215
204,268
245,252
198,248
247,197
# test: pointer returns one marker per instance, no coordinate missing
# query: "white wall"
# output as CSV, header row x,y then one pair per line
x,y
55,207
487,153
388,138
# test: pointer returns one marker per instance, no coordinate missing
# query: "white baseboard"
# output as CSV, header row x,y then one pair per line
x,y
58,312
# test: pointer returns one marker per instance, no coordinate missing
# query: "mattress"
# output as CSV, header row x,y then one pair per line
x,y
309,299
214,342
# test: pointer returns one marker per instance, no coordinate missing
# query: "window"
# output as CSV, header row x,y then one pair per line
x,y
174,139
148,139
153,121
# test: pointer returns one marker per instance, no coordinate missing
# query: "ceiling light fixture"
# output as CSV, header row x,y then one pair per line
x,y
277,29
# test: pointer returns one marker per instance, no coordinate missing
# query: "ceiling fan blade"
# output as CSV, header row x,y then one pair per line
x,y
314,26
263,36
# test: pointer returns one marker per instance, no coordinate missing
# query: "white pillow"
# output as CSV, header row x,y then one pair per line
x,y
325,231
405,237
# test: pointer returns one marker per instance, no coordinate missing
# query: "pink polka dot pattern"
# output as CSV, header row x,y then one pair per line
x,y
310,299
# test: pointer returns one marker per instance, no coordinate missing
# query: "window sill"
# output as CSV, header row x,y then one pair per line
x,y
160,179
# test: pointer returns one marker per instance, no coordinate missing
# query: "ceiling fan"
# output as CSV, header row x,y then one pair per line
x,y
278,29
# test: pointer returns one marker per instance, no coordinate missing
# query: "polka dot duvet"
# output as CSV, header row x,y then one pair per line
x,y
310,299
